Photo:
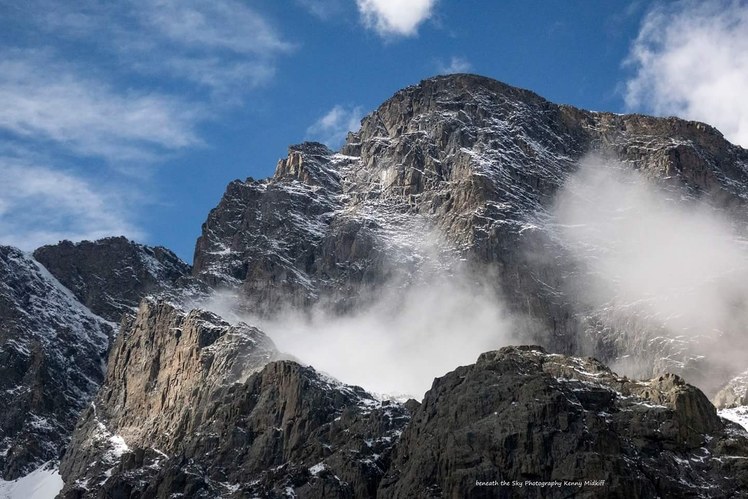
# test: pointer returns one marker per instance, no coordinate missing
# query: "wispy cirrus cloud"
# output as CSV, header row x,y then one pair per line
x,y
454,65
223,45
691,59
225,24
324,9
395,18
47,101
332,127
40,204
102,91
220,45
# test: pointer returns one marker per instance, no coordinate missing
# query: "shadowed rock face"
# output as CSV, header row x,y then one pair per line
x,y
472,166
111,275
516,414
52,353
522,414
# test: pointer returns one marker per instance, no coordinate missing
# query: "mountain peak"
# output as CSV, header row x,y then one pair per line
x,y
307,162
464,82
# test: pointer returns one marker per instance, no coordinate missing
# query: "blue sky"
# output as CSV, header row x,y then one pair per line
x,y
131,117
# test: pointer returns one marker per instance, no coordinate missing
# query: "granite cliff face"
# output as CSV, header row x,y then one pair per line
x,y
194,406
455,174
460,169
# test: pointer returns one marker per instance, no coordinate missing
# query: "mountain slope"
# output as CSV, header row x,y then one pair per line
x,y
458,174
52,360
459,169
111,275
189,406
457,177
522,414
516,415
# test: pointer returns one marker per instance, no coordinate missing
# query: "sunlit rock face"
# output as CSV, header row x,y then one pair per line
x,y
194,405
59,310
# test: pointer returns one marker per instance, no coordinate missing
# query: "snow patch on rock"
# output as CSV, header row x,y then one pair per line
x,y
42,483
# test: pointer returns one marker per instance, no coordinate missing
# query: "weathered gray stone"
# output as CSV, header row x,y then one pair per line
x,y
201,416
111,275
478,163
52,353
521,414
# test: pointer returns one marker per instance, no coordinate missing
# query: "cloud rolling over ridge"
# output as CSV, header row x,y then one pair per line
x,y
654,256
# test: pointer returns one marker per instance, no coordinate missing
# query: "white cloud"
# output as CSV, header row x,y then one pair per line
x,y
113,87
217,25
395,17
455,65
404,339
402,335
691,60
42,205
657,263
323,9
79,82
332,128
48,101
223,45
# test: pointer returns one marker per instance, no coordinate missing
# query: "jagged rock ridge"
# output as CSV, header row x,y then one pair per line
x,y
523,414
472,166
288,431
111,275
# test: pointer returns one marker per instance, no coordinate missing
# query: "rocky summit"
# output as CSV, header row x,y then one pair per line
x,y
111,275
456,171
114,372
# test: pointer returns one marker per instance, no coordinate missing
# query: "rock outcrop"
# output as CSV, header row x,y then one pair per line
x,y
189,406
561,426
52,361
734,393
553,425
111,275
732,400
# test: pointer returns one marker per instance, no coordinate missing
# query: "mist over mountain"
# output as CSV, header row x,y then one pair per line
x,y
464,178
464,216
